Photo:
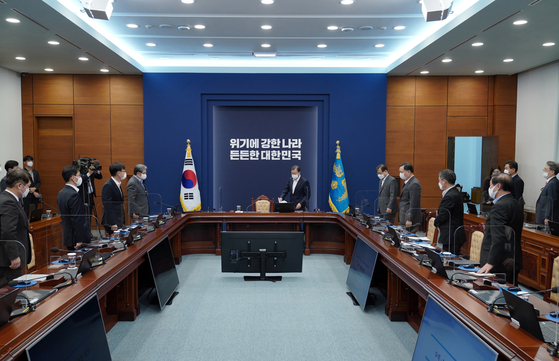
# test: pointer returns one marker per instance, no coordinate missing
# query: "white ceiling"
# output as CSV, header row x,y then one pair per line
x,y
298,26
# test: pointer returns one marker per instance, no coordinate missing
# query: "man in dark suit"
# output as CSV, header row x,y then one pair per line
x,y
15,246
511,168
33,198
410,197
547,205
450,217
387,194
113,198
75,223
501,251
9,166
298,188
137,192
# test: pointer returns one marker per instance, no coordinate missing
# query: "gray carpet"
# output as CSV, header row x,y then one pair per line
x,y
307,316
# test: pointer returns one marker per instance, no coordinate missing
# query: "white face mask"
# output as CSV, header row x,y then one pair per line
x,y
507,171
380,176
143,176
545,175
294,176
441,186
402,176
123,176
25,193
30,164
79,181
493,192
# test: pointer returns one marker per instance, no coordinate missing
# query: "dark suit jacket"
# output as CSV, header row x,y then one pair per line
x,y
138,202
13,226
410,200
518,189
3,184
547,205
388,195
451,218
113,211
35,180
499,244
75,225
301,195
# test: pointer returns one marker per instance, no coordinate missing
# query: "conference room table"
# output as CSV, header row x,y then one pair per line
x,y
409,284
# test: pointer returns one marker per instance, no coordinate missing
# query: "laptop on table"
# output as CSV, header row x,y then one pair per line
x,y
437,264
288,207
35,215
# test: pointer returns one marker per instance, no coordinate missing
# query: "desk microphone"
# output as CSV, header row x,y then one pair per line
x,y
14,283
491,308
22,311
66,283
175,207
46,204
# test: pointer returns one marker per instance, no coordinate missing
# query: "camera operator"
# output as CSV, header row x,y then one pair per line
x,y
87,188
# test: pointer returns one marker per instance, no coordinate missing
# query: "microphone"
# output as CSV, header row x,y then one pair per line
x,y
66,283
14,283
43,202
491,308
175,207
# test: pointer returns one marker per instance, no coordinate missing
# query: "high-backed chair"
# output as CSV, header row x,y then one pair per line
x,y
31,264
552,278
432,231
263,204
475,246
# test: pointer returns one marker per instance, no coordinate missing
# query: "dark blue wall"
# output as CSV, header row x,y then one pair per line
x,y
176,108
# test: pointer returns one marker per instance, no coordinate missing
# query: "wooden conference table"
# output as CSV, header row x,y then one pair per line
x,y
409,284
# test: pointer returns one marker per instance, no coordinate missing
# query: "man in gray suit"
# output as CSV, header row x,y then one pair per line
x,y
410,197
138,203
387,194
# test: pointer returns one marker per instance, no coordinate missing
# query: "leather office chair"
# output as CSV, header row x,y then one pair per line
x,y
552,278
263,204
32,263
475,246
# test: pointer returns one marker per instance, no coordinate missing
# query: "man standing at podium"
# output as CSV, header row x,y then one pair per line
x,y
298,188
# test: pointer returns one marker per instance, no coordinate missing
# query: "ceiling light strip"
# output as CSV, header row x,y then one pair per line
x,y
535,2
500,21
68,41
94,57
269,16
429,62
413,71
462,43
115,69
30,19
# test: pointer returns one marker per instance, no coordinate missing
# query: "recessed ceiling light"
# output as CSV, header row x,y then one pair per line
x,y
265,45
132,26
83,58
266,27
508,60
12,20
151,44
447,60
425,72
379,45
105,70
20,58
183,27
208,45
548,44
479,71
49,69
366,27
264,55
187,1
477,44
199,26
267,2
347,2
322,45
52,42
399,27
520,22
332,27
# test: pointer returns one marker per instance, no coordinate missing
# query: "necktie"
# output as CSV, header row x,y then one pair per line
x,y
20,202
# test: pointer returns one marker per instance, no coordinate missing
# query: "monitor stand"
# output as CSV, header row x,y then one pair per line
x,y
263,255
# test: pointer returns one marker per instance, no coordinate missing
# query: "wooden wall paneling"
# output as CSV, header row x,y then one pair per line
x,y
400,91
430,147
468,111
27,89
400,132
467,90
54,109
431,90
28,130
505,89
127,135
53,89
92,135
127,89
91,89
467,126
431,203
504,126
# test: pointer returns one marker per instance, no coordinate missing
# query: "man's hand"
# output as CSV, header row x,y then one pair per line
x,y
37,195
488,202
546,221
15,263
388,210
280,199
135,216
298,206
79,245
486,268
408,224
114,227
32,189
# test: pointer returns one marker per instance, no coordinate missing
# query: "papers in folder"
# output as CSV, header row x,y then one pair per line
x,y
284,201
32,277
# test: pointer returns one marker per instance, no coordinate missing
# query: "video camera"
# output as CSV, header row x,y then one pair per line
x,y
85,164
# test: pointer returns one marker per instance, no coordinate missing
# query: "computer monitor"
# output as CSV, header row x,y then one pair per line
x,y
472,208
262,252
163,271
553,228
361,271
443,337
80,336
